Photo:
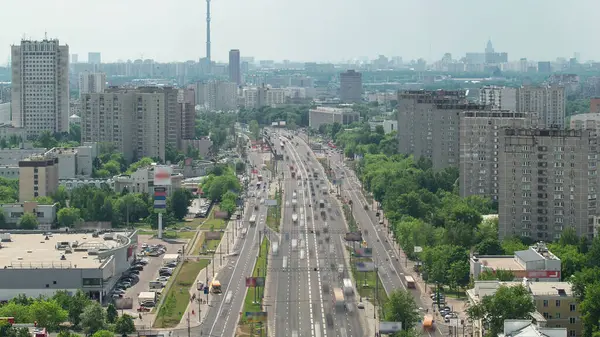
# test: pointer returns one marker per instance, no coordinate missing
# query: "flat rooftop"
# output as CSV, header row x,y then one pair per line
x,y
551,289
495,263
31,251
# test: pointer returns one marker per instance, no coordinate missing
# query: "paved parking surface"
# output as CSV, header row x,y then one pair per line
x,y
150,272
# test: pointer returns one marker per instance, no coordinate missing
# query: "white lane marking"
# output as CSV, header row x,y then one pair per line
x,y
312,217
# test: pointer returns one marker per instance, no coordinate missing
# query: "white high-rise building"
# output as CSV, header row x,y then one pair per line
x,y
92,83
40,86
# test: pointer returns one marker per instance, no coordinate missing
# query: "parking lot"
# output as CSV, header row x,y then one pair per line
x,y
150,270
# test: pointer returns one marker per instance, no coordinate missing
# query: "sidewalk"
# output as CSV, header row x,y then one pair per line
x,y
197,309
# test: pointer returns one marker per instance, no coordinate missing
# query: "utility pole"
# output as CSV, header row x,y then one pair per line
x,y
189,327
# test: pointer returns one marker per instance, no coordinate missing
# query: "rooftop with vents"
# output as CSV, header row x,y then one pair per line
x,y
60,251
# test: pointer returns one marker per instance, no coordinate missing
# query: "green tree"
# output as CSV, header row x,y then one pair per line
x,y
93,318
507,303
68,216
254,129
590,308
46,140
499,274
401,307
124,325
103,333
28,221
48,313
179,202
111,314
569,237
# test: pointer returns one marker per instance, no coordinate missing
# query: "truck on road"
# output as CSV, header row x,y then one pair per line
x,y
294,244
348,289
275,248
295,218
338,299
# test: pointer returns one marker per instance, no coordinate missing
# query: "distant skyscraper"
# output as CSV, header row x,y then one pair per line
x,y
235,74
40,86
74,58
92,83
351,87
94,58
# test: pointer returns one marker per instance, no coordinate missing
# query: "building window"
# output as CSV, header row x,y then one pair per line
x,y
572,307
557,315
572,333
558,303
546,315
545,303
572,320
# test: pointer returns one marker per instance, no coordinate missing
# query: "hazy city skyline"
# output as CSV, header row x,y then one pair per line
x,y
332,30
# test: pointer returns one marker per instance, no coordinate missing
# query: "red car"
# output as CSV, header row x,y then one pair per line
x,y
144,309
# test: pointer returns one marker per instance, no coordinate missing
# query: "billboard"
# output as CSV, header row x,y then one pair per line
x,y
256,317
363,252
365,266
390,327
253,282
162,175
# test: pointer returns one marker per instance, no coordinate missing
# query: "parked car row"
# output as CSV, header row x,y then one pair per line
x,y
153,250
128,279
203,209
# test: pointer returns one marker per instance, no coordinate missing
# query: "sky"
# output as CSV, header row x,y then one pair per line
x,y
306,30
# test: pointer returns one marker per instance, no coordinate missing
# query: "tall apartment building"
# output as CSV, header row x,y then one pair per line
x,y
548,182
428,125
499,98
481,133
217,95
38,177
138,122
235,74
547,102
351,87
40,86
187,108
588,121
92,83
257,97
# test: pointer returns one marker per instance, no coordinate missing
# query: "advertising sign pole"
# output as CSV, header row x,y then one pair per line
x,y
160,226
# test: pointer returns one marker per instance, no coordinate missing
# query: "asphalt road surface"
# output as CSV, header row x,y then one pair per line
x,y
304,304
222,318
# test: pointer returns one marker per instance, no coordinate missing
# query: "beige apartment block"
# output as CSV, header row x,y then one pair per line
x,y
138,122
481,133
38,177
40,86
548,102
548,182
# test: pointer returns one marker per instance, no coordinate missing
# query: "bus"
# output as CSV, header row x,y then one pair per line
x,y
338,298
253,220
284,263
215,285
410,281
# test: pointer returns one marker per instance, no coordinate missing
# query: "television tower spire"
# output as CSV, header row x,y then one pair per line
x,y
208,33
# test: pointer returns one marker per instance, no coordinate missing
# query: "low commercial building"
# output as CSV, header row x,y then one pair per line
x,y
37,264
329,115
46,214
12,157
527,328
536,263
142,181
74,162
70,184
556,306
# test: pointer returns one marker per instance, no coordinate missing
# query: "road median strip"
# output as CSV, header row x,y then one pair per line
x,y
254,295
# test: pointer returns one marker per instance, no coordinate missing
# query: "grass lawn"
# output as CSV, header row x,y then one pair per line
x,y
452,293
199,243
350,218
215,224
274,214
365,283
261,266
178,296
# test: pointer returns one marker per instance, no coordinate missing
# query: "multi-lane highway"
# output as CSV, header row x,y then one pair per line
x,y
311,255
223,315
